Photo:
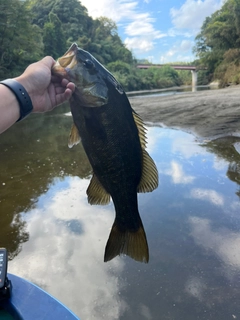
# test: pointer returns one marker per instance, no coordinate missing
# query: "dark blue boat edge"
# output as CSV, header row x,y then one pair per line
x,y
28,302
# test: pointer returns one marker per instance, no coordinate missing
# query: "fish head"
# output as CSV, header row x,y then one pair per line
x,y
90,77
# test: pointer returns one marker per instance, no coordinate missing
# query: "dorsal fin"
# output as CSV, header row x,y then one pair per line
x,y
96,192
141,129
74,137
149,179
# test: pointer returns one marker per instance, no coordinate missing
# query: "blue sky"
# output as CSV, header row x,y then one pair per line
x,y
159,30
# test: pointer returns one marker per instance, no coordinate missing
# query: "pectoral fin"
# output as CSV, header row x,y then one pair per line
x,y
149,179
74,137
96,193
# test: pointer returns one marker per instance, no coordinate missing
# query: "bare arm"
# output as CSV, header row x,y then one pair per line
x,y
45,91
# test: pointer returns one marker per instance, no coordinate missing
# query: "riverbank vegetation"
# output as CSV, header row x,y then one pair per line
x,y
218,44
32,29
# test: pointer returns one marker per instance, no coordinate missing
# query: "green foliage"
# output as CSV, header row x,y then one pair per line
x,y
144,61
53,37
229,70
71,13
218,43
119,66
132,78
185,76
163,77
20,41
97,36
104,43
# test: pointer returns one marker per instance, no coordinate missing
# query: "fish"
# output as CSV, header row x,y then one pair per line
x,y
113,136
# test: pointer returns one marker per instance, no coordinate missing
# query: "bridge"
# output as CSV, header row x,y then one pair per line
x,y
193,69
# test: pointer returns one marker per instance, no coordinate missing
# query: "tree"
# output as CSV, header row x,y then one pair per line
x,y
73,16
54,37
220,34
20,41
104,42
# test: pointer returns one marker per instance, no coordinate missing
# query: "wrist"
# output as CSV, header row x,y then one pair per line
x,y
25,83
22,96
9,108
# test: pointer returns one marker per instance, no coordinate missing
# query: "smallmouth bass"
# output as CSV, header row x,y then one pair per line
x,y
114,139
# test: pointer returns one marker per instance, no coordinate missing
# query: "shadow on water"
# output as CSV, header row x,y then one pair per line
x,y
57,240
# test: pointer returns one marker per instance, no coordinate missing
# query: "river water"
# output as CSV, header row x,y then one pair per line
x,y
57,240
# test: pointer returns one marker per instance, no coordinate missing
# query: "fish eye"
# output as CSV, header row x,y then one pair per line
x,y
88,64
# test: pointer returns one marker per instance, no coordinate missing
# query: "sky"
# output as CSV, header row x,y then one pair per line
x,y
161,31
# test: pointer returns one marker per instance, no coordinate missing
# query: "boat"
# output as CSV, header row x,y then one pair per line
x,y
23,300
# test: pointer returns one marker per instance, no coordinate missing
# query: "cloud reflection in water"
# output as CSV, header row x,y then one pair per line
x,y
224,243
178,175
193,228
67,241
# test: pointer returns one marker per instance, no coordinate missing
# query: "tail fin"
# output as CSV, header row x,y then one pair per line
x,y
132,243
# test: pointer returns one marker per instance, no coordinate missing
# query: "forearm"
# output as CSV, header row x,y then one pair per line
x,y
9,108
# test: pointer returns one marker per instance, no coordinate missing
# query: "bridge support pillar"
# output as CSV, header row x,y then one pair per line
x,y
194,79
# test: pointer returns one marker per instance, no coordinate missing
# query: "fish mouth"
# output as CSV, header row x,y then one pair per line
x,y
66,62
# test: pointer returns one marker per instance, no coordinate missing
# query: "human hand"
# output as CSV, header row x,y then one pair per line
x,y
45,90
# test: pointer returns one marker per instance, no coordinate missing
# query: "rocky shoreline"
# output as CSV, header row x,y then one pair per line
x,y
207,114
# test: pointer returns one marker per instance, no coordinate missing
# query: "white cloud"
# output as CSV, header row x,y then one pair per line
x,y
195,287
142,25
208,195
113,9
139,27
172,56
185,45
141,33
223,242
193,12
186,145
178,174
220,164
139,44
178,52
65,252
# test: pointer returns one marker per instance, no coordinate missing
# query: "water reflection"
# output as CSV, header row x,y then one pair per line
x,y
192,223
65,253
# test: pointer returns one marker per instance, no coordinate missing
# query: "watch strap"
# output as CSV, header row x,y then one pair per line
x,y
25,102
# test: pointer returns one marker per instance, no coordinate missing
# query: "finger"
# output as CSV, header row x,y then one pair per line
x,y
71,86
67,94
64,82
48,61
62,97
